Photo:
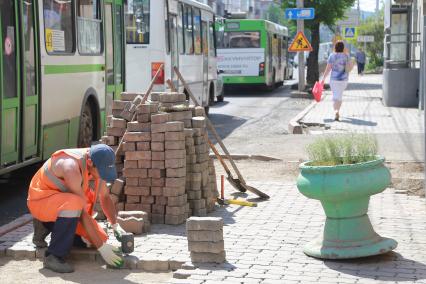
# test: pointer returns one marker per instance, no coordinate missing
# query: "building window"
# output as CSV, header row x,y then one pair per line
x,y
58,26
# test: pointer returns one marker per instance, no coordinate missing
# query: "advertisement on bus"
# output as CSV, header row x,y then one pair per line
x,y
240,61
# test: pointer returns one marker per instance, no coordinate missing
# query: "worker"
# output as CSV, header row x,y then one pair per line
x,y
61,198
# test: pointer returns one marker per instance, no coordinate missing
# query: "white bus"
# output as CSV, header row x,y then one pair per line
x,y
174,33
60,67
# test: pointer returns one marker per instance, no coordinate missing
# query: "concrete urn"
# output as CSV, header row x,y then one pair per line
x,y
344,192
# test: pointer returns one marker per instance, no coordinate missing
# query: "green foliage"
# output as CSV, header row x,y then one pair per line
x,y
327,12
373,26
342,150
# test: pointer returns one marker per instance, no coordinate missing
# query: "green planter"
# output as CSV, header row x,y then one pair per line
x,y
344,192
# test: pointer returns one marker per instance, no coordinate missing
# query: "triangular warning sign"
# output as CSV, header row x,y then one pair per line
x,y
349,33
300,43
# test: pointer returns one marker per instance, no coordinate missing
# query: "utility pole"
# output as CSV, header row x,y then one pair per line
x,y
300,28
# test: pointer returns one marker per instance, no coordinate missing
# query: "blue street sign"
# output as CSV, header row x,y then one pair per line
x,y
300,13
350,32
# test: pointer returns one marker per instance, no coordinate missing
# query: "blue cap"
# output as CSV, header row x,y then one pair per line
x,y
103,157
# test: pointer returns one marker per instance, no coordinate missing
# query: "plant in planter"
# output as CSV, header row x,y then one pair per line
x,y
343,172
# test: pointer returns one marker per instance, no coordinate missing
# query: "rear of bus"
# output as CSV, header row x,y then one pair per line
x,y
241,55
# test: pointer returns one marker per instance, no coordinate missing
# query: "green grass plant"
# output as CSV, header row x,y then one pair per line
x,y
342,150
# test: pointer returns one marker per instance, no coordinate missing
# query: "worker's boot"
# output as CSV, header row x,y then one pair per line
x,y
40,234
57,264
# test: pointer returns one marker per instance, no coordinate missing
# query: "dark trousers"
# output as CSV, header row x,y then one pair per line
x,y
360,67
63,236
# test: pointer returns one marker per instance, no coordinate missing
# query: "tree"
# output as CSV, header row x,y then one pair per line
x,y
373,26
327,12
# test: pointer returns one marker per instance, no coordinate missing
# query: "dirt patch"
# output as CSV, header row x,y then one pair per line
x,y
21,271
407,177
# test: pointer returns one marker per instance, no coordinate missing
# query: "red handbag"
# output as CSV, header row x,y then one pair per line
x,y
317,90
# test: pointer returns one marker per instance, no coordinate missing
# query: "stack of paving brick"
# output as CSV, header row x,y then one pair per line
x,y
205,239
213,192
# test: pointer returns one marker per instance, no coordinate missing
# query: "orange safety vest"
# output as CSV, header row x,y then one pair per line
x,y
45,184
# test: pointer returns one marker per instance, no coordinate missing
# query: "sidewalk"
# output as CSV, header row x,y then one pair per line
x,y
264,244
400,131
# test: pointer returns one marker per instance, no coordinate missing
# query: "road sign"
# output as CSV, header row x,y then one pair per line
x,y
300,13
349,32
365,38
300,43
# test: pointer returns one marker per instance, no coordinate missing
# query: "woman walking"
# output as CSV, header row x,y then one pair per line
x,y
340,64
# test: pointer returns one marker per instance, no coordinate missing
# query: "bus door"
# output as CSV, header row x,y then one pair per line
x,y
114,71
18,82
29,80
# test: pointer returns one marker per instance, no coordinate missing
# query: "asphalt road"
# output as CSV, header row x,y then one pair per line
x,y
254,121
251,121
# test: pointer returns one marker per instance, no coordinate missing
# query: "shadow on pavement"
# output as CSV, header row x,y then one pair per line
x,y
364,86
225,124
251,91
219,105
381,267
354,121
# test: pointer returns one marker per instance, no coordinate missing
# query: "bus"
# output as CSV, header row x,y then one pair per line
x,y
174,33
60,68
252,52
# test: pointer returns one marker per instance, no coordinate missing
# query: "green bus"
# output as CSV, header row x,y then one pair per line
x,y
252,52
61,66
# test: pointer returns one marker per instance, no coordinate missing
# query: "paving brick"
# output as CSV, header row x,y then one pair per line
x,y
159,128
158,156
173,191
175,145
148,200
175,154
139,173
128,96
175,210
174,219
143,146
157,218
161,200
198,204
205,236
135,126
131,224
115,131
133,199
204,257
157,190
176,173
174,126
158,182
117,104
175,163
177,200
133,207
117,186
137,136
131,164
159,209
157,164
154,265
144,164
157,146
175,182
137,190
129,146
199,111
204,224
145,182
175,136
158,137
143,109
143,117
156,173
109,140
180,115
138,155
194,194
160,118
172,97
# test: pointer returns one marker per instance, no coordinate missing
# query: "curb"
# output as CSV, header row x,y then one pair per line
x,y
19,222
294,127
248,157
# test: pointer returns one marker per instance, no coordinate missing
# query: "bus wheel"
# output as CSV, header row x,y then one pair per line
x,y
86,128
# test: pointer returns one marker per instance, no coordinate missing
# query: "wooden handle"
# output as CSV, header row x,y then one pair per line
x,y
144,99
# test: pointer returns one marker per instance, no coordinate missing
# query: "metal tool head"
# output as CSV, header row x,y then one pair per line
x,y
127,243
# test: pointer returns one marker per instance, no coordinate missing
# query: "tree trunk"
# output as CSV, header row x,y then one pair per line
x,y
313,69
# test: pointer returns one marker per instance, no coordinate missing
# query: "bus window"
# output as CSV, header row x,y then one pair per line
x,y
137,21
181,42
89,24
58,25
197,29
242,39
280,59
212,47
189,40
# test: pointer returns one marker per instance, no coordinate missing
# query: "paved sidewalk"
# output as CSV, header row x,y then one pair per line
x,y
264,244
363,111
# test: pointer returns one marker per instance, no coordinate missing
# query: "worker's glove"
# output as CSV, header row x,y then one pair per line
x,y
118,231
110,254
